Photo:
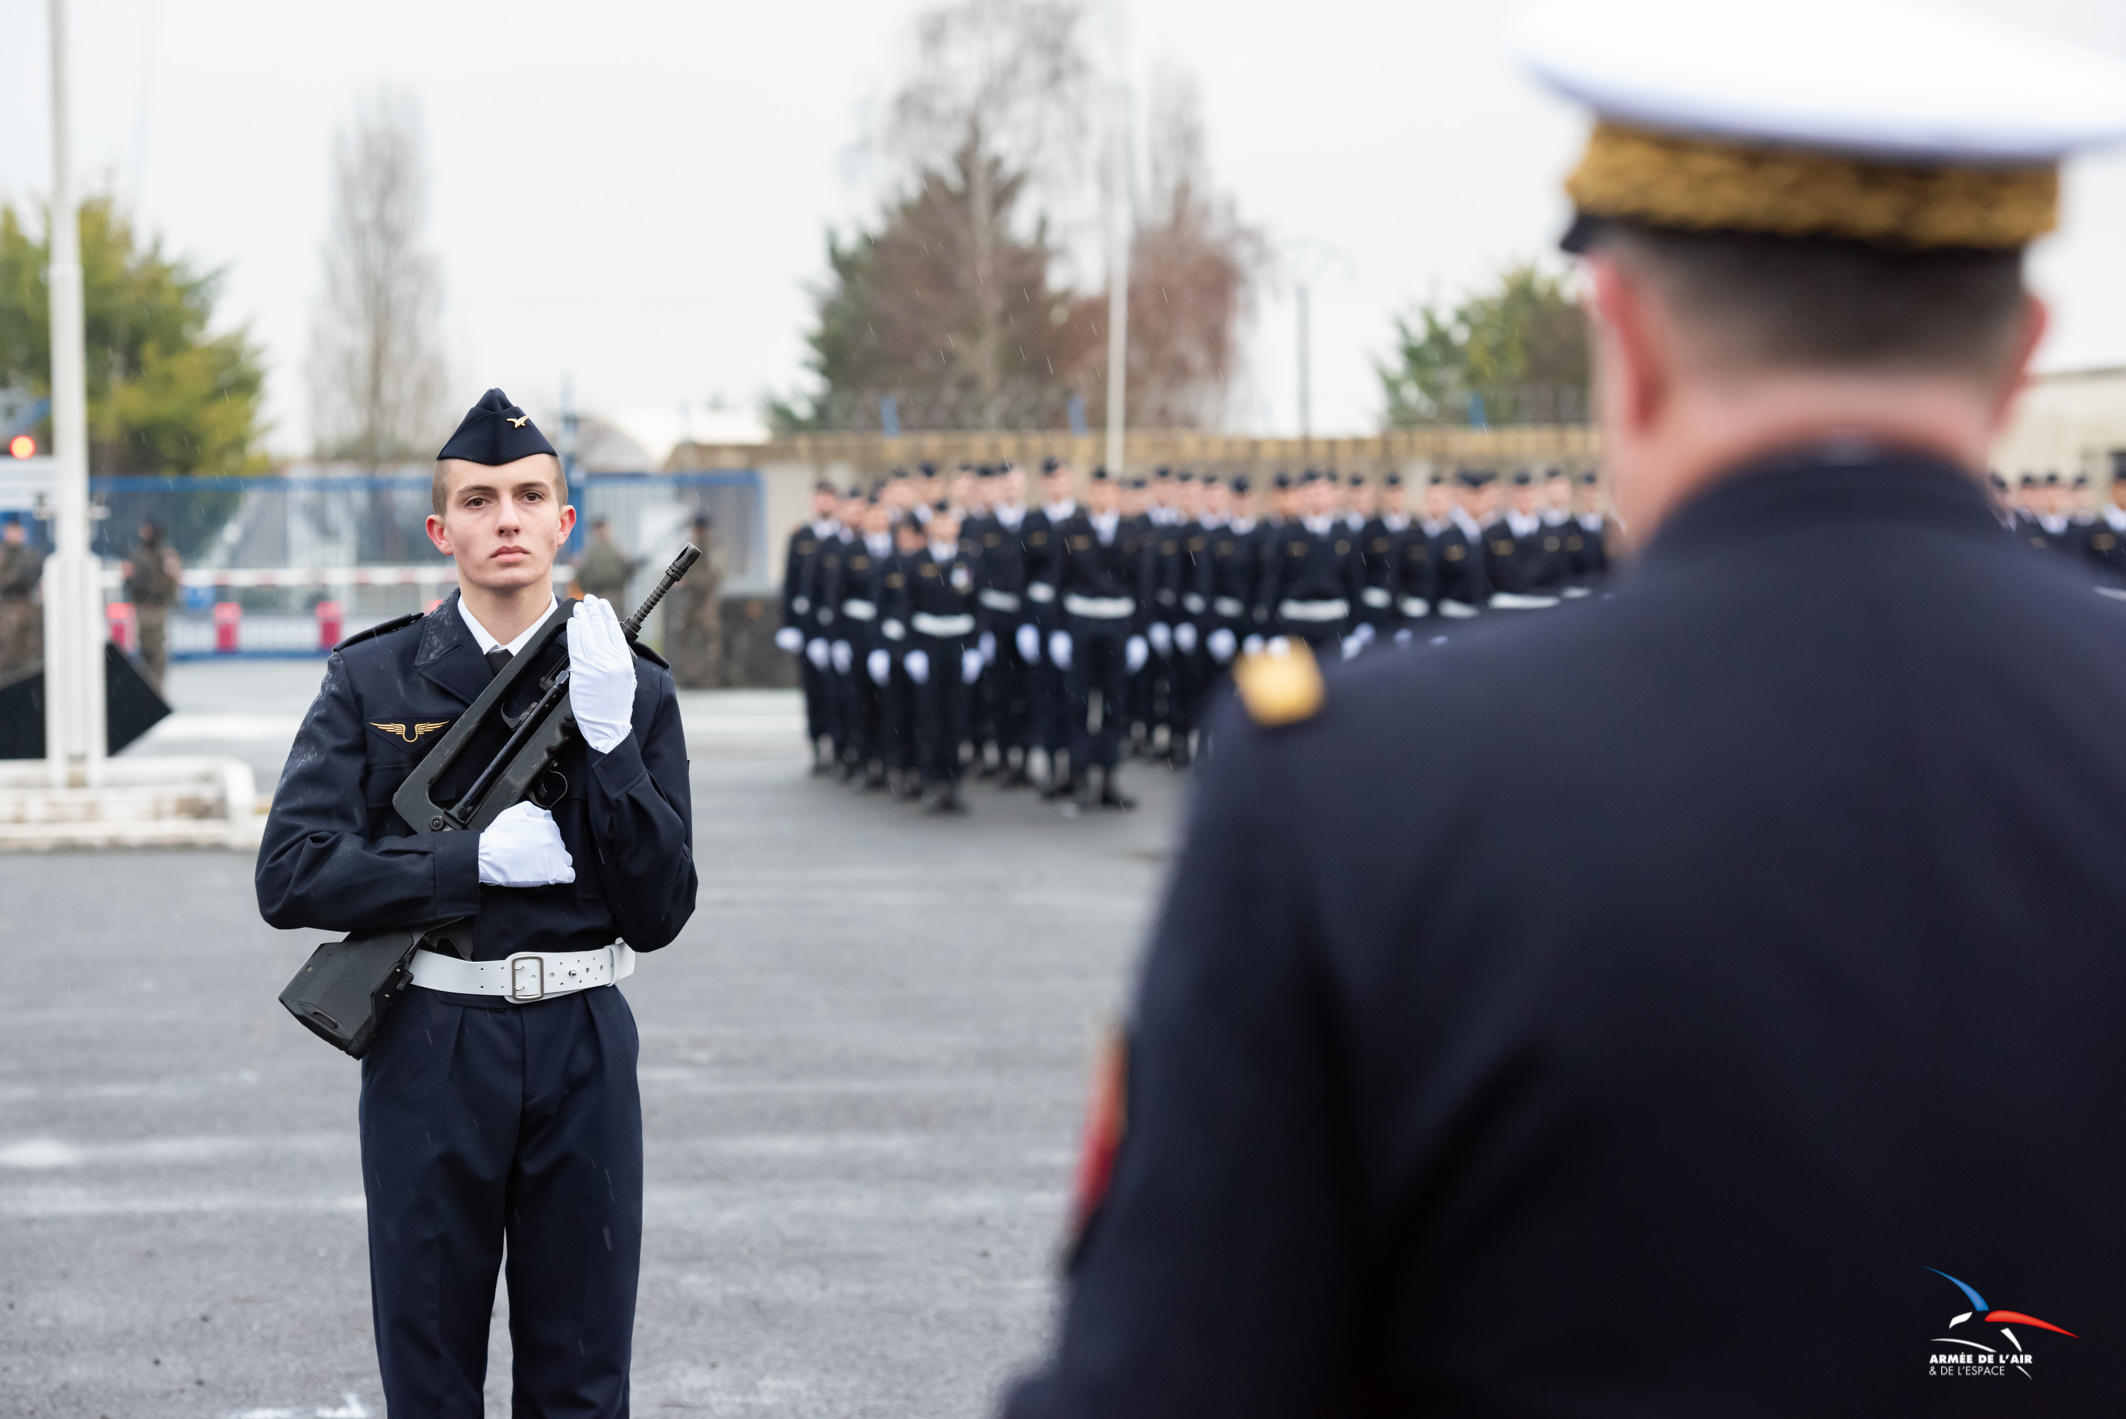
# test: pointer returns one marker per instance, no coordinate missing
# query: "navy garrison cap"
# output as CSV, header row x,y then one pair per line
x,y
1391,480
1051,463
495,431
1283,481
1240,484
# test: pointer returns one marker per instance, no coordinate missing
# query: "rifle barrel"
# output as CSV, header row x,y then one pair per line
x,y
688,555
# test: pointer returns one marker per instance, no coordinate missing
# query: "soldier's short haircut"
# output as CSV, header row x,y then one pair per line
x,y
439,486
1764,302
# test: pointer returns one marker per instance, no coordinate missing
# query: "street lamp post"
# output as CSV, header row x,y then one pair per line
x,y
73,633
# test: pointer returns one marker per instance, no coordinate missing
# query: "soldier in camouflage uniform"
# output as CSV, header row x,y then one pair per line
x,y
21,618
694,625
151,583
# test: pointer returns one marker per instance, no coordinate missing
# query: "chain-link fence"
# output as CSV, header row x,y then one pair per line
x,y
283,565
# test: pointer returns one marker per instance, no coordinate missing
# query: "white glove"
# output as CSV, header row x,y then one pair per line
x,y
988,644
1252,645
1278,645
1353,644
1185,637
816,652
1162,638
893,629
880,665
844,657
523,848
918,663
970,666
1364,631
790,639
1029,639
1134,653
601,675
1222,643
1404,636
1059,649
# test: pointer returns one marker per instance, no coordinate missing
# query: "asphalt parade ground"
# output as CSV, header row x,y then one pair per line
x,y
863,1068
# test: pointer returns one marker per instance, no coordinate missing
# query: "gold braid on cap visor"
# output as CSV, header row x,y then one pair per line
x,y
1701,185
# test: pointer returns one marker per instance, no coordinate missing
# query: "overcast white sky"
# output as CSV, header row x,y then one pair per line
x,y
631,195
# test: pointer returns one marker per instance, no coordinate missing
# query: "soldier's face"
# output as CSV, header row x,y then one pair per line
x,y
1102,497
1394,500
1524,500
1437,500
1056,486
1321,498
1560,494
503,525
823,505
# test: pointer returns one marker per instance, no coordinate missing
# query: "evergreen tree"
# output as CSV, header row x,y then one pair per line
x,y
1517,354
166,395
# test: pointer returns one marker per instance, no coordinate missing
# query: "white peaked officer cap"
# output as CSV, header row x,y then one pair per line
x,y
1898,123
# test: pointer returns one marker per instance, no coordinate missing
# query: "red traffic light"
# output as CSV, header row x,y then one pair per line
x,y
22,446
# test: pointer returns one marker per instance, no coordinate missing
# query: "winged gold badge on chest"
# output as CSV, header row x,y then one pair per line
x,y
418,730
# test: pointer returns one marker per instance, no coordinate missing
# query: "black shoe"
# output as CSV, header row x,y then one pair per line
x,y
876,778
1066,787
1111,794
1179,756
945,801
1013,777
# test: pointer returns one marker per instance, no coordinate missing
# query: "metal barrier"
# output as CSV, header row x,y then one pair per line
x,y
261,555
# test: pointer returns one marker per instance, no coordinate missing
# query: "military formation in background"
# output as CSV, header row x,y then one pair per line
x,y
972,624
2056,514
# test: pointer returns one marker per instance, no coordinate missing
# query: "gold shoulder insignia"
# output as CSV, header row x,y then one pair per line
x,y
519,422
1279,688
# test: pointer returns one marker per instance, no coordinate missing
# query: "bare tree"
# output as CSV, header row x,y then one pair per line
x,y
375,372
998,93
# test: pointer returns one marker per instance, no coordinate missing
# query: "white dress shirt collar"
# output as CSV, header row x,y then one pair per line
x,y
1104,525
488,642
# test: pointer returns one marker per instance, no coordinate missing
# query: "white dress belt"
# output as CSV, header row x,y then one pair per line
x,y
998,600
1416,606
1456,610
928,625
1193,604
1571,593
1515,601
857,609
1100,608
1376,596
527,975
1041,591
1334,610
1229,606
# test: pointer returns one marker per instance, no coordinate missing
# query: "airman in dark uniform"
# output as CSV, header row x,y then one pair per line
x,y
1104,586
496,1117
1310,576
798,622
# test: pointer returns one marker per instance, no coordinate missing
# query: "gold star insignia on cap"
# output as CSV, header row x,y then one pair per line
x,y
1280,687
518,422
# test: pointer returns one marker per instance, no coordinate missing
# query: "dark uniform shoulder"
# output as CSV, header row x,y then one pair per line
x,y
381,628
650,655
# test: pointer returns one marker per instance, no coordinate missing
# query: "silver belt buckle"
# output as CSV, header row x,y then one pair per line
x,y
523,967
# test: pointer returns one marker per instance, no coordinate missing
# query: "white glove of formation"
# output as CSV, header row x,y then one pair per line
x,y
918,664
816,652
1161,636
523,848
970,666
1059,649
790,640
601,675
879,665
1029,641
1222,643
844,657
1134,653
988,646
1252,645
1185,637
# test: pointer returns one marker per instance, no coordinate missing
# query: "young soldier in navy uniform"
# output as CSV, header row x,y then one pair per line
x,y
1226,574
492,1116
943,661
1002,571
1412,559
1376,559
1460,590
1310,577
2107,534
1193,670
860,599
1047,692
1517,562
1825,964
1587,539
798,557
1104,586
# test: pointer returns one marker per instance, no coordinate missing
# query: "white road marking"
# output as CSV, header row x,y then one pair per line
x,y
41,1153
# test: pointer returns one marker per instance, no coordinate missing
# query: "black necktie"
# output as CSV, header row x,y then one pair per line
x,y
496,659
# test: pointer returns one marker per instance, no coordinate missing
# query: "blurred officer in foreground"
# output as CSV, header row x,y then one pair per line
x,y
21,617
1817,1005
494,1118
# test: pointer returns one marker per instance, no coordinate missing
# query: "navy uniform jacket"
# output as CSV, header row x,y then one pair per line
x,y
1304,565
337,857
796,577
1458,567
1410,565
1818,985
1586,553
1001,567
933,588
1170,568
1044,565
1122,567
1226,575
